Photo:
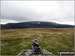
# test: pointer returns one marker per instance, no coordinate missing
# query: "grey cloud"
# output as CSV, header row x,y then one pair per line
x,y
21,13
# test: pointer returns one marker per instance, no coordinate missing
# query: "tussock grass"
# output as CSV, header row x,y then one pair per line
x,y
52,39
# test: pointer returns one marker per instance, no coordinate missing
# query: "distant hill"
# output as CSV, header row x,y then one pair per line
x,y
34,24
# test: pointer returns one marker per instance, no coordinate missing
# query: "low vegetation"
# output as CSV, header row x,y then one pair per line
x,y
51,39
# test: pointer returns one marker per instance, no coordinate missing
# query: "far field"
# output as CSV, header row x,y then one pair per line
x,y
51,39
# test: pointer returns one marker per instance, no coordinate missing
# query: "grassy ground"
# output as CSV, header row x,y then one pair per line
x,y
51,39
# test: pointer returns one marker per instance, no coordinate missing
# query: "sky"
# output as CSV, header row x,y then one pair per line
x,y
51,11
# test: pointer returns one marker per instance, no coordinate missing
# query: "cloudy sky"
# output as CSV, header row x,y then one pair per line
x,y
52,11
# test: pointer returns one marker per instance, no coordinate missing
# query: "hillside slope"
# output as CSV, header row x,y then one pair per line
x,y
34,24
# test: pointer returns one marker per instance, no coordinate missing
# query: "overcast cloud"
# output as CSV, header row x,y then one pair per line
x,y
52,11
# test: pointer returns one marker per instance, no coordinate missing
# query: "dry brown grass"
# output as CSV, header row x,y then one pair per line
x,y
52,39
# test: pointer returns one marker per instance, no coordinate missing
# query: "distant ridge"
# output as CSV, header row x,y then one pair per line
x,y
34,24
